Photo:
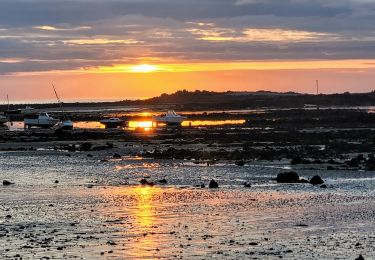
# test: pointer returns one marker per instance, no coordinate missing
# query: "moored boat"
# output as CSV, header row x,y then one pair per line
x,y
42,120
113,122
3,119
65,125
171,118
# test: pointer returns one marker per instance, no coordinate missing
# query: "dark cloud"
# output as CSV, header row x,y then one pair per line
x,y
58,34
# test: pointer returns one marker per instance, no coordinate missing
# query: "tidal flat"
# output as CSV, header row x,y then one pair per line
x,y
79,194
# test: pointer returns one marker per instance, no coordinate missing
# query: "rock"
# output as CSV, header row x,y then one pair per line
x,y
8,216
316,180
56,181
117,156
239,163
247,184
7,183
323,186
287,177
213,184
90,155
202,186
90,186
111,242
162,181
144,182
360,257
303,180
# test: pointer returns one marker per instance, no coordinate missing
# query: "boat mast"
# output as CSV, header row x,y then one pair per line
x,y
60,103
8,101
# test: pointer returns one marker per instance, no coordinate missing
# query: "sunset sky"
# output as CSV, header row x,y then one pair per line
x,y
126,49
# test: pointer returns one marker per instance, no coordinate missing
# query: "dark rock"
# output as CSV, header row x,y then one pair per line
x,y
117,156
111,242
247,184
56,181
253,244
239,163
144,182
360,257
90,155
7,183
162,181
213,184
316,180
202,186
323,186
85,146
8,216
303,181
287,177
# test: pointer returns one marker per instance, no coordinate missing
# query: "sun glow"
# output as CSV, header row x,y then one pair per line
x,y
144,68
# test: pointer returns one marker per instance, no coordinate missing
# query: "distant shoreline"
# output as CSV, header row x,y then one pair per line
x,y
206,100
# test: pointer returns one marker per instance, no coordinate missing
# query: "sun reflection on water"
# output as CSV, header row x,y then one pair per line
x,y
145,220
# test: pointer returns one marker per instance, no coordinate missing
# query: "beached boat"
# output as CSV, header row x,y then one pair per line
x,y
170,118
3,119
27,110
66,123
112,122
42,120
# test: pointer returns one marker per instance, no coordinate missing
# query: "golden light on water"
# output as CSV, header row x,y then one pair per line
x,y
213,122
140,124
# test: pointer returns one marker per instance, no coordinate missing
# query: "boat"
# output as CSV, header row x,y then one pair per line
x,y
42,120
66,123
3,119
171,118
112,122
27,110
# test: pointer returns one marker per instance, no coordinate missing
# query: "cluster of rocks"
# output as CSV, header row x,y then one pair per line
x,y
293,177
237,155
358,162
84,147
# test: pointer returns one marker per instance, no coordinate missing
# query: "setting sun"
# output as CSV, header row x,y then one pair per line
x,y
144,68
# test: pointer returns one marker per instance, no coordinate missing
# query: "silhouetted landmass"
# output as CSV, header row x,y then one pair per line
x,y
207,100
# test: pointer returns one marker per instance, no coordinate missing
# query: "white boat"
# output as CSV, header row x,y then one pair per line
x,y
42,120
170,118
112,122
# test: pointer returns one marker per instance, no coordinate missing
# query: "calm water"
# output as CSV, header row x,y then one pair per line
x,y
19,126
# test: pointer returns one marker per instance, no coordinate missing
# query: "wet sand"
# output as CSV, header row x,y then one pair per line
x,y
99,210
78,194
